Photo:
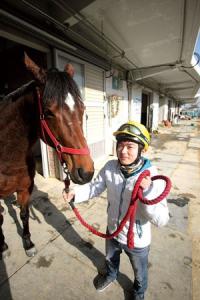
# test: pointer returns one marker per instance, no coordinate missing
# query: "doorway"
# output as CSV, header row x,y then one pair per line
x,y
14,74
144,109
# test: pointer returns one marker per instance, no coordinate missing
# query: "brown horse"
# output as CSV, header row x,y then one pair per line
x,y
49,107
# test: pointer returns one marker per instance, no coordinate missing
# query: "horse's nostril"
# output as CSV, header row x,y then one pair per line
x,y
86,176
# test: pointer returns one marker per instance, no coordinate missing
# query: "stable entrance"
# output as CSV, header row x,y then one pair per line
x,y
14,74
146,111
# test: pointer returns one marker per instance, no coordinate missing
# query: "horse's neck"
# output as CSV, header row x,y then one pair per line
x,y
29,115
18,127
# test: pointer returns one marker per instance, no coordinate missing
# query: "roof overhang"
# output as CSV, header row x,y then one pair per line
x,y
151,41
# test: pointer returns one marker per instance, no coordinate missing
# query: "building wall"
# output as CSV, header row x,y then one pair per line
x,y
117,109
136,103
173,109
95,115
163,109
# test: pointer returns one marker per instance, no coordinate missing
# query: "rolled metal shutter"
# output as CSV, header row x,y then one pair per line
x,y
94,102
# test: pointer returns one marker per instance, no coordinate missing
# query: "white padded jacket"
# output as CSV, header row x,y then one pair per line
x,y
119,190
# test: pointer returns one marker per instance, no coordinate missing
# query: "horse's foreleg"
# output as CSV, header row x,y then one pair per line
x,y
24,215
3,245
23,200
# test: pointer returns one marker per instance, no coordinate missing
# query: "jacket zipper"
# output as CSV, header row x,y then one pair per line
x,y
121,202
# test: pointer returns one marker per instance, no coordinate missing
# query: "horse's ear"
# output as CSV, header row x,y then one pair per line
x,y
38,72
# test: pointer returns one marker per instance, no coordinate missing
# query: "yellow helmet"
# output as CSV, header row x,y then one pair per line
x,y
134,131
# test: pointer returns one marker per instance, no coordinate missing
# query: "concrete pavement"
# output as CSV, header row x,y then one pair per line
x,y
69,257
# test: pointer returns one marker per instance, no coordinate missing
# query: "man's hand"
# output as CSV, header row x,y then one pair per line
x,y
146,182
68,196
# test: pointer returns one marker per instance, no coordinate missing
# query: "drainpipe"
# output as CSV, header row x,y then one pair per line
x,y
129,85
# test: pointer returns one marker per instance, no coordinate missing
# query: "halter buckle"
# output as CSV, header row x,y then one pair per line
x,y
65,169
67,179
42,117
59,148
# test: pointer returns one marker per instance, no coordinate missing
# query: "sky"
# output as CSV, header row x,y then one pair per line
x,y
197,47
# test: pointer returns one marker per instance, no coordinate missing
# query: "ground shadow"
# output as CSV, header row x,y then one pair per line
x,y
57,219
5,291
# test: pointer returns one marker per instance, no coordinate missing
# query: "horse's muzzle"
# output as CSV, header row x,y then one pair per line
x,y
80,176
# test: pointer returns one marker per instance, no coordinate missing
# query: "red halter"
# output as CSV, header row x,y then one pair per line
x,y
59,148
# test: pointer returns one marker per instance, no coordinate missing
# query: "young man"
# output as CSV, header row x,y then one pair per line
x,y
119,177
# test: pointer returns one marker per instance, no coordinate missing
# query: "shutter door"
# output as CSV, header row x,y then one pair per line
x,y
94,102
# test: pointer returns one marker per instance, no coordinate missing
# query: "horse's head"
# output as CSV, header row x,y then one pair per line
x,y
63,113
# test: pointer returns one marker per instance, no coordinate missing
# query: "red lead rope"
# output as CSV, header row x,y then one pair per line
x,y
137,194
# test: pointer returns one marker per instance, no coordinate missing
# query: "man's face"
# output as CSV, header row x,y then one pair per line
x,y
127,152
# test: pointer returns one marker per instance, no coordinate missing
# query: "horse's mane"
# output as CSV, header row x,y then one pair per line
x,y
13,96
58,85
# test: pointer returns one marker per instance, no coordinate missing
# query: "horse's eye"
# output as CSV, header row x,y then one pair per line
x,y
49,114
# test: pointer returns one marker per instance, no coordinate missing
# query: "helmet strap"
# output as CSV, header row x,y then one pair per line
x,y
140,148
